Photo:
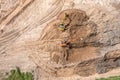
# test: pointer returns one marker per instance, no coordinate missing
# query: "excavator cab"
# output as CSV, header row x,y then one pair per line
x,y
61,27
66,43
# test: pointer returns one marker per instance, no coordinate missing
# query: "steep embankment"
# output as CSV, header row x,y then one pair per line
x,y
90,67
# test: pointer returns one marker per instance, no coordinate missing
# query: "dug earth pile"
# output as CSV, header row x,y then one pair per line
x,y
78,30
82,58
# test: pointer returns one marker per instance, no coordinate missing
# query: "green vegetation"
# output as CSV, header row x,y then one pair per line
x,y
16,74
110,78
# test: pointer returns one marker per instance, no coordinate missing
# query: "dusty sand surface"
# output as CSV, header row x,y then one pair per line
x,y
24,28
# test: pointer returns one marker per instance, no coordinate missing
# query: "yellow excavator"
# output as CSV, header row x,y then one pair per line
x,y
61,26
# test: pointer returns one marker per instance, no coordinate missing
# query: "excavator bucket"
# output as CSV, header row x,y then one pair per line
x,y
61,29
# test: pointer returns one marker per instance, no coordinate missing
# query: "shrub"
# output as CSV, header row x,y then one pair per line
x,y
110,78
16,74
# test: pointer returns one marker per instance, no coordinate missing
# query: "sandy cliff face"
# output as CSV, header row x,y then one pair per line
x,y
23,20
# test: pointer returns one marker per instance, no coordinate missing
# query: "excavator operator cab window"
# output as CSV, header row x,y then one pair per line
x,y
61,25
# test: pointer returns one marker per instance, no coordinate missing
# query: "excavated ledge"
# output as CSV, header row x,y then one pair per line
x,y
90,67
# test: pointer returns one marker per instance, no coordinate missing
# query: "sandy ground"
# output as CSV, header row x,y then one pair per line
x,y
96,76
83,54
27,27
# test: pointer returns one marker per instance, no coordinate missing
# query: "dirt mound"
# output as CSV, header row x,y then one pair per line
x,y
79,30
75,17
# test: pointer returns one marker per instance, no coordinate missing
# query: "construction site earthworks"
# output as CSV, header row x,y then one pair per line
x,y
60,39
